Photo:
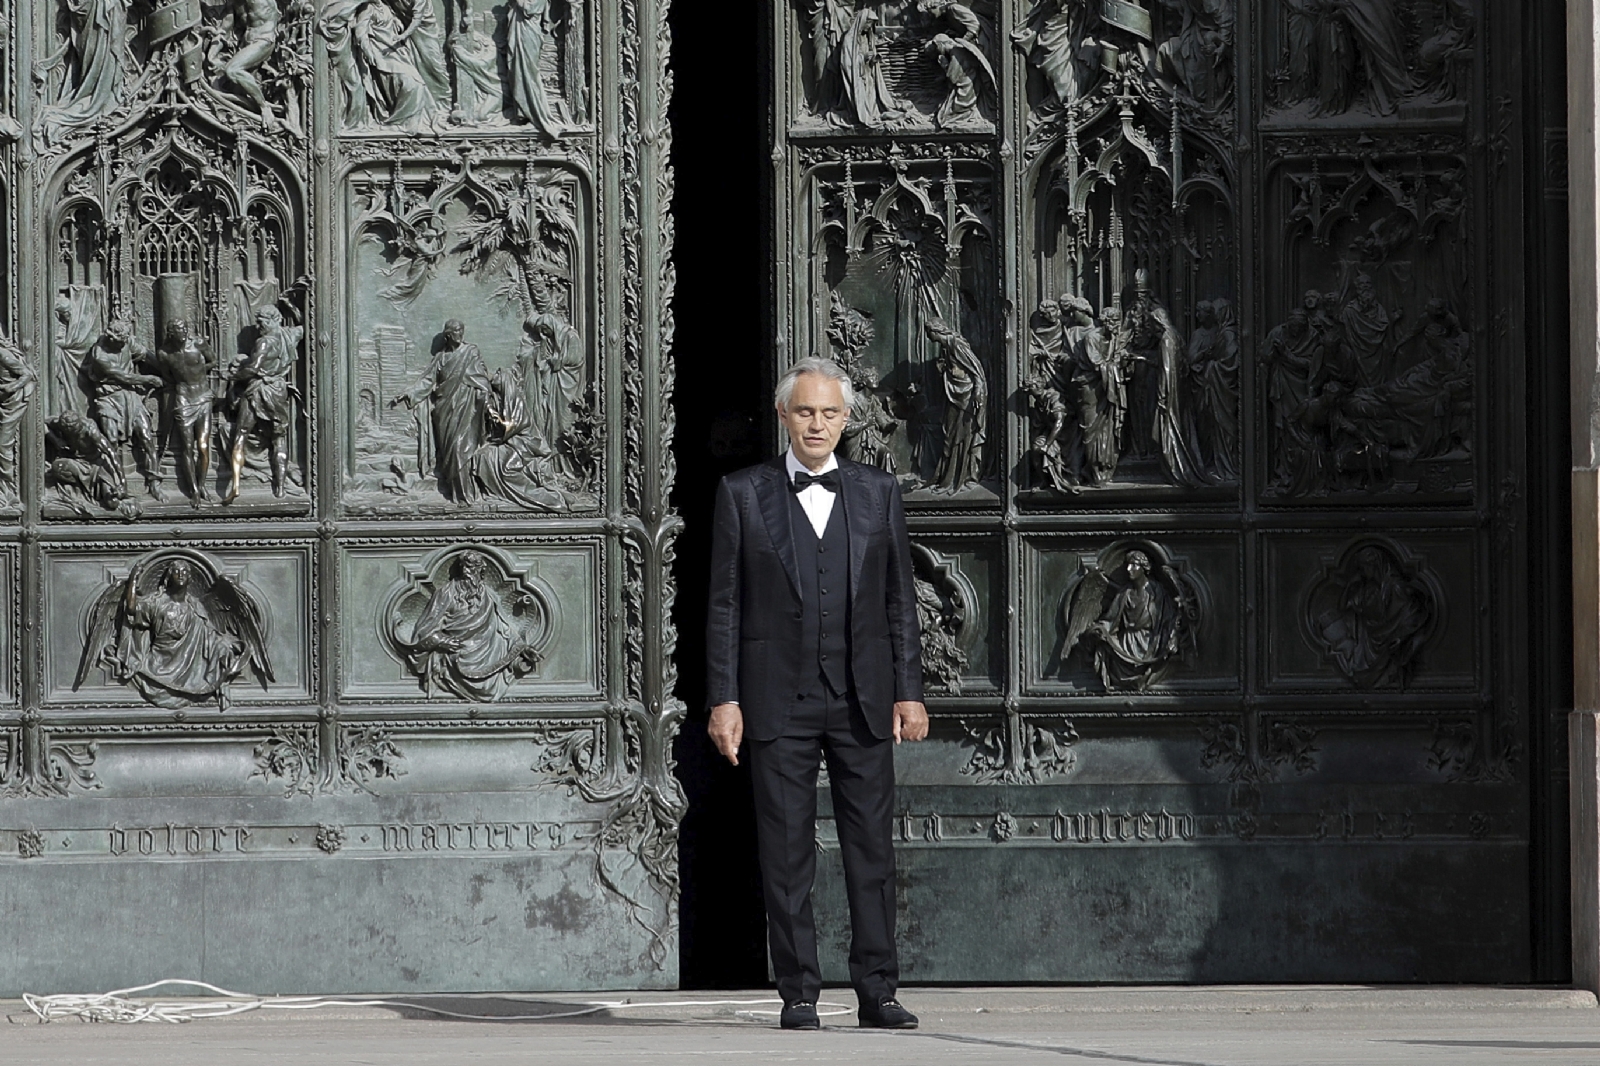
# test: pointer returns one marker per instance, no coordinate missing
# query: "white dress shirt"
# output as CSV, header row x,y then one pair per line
x,y
816,501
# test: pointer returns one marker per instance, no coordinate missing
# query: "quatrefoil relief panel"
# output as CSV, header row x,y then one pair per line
x,y
468,623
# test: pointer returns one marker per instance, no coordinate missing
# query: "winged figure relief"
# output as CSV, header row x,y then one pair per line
x,y
946,603
178,630
1134,614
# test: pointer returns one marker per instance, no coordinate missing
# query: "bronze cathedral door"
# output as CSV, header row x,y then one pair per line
x,y
1199,335
333,499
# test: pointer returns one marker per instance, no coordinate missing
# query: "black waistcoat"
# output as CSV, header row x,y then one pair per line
x,y
824,565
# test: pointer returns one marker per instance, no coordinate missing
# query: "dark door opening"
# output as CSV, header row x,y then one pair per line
x,y
718,126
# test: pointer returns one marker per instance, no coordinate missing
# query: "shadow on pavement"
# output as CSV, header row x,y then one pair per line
x,y
553,1012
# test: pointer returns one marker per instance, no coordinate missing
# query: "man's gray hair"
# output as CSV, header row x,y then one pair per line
x,y
825,368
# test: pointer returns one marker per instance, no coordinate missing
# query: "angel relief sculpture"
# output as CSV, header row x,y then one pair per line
x,y
469,626
1134,613
177,630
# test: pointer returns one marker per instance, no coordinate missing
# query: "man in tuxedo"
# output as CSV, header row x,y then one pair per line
x,y
814,649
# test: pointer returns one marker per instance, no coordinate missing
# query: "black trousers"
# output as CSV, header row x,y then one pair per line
x,y
861,778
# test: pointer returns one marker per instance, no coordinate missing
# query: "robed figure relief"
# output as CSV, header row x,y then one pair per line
x,y
529,25
1372,613
966,410
118,384
551,362
264,399
18,383
94,63
455,385
178,631
1126,391
1358,403
479,631
907,261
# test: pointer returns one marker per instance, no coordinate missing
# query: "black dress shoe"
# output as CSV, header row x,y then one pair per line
x,y
887,1014
801,1014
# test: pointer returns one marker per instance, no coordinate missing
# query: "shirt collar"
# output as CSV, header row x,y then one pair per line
x,y
794,466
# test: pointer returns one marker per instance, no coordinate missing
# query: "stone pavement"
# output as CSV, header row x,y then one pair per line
x,y
1205,1026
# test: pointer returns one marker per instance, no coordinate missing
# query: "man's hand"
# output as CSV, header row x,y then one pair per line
x,y
910,721
726,729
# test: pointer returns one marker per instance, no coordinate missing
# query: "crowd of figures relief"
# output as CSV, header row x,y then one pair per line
x,y
403,64
400,64
1133,349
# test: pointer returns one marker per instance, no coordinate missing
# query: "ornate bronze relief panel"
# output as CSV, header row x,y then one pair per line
x,y
1193,331
333,389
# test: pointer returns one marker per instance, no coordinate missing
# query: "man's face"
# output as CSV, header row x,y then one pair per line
x,y
815,417
453,334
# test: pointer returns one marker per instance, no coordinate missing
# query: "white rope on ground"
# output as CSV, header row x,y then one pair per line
x,y
120,1006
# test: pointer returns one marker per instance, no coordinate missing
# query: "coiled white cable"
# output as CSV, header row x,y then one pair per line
x,y
120,1006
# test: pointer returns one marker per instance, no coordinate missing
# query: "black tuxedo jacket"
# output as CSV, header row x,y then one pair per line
x,y
754,623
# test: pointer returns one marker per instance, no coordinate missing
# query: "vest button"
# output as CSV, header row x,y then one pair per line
x,y
824,654
824,592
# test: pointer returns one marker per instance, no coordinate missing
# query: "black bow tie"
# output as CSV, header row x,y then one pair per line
x,y
804,479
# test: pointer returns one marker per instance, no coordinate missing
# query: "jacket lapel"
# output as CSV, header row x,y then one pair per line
x,y
772,496
858,512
